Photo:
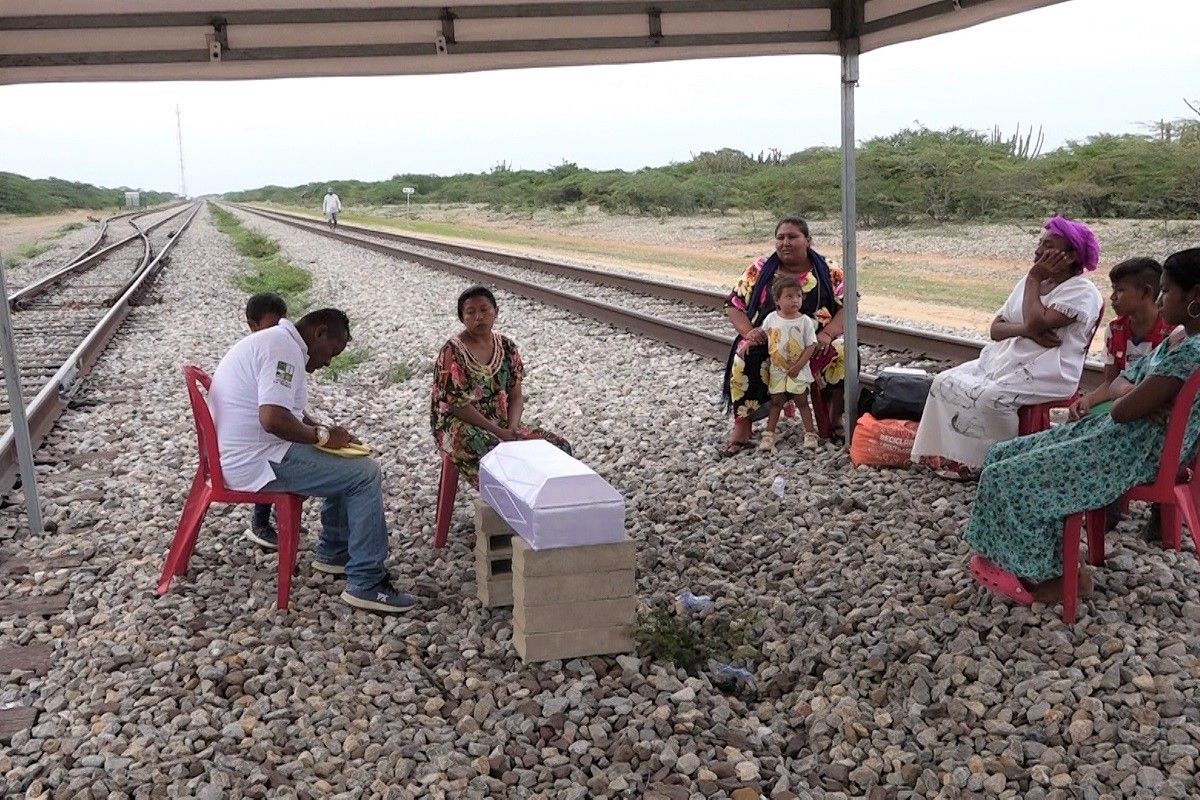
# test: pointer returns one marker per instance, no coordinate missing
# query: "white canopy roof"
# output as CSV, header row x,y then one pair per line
x,y
140,40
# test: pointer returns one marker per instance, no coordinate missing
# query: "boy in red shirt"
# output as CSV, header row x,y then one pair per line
x,y
1136,331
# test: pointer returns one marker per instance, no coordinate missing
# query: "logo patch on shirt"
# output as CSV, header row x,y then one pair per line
x,y
284,374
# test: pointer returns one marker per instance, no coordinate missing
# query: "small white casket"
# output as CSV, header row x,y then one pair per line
x,y
550,498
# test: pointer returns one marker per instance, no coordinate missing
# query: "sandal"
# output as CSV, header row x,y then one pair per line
x,y
768,441
811,442
732,448
1000,581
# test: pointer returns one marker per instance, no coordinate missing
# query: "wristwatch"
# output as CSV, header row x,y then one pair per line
x,y
322,435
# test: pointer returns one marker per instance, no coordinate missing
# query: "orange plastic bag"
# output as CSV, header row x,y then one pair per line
x,y
882,442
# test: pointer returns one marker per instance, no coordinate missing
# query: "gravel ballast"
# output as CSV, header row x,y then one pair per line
x,y
879,668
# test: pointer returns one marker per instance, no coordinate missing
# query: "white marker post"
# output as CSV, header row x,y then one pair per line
x,y
408,193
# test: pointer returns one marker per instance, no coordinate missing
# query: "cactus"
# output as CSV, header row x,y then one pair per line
x,y
1025,149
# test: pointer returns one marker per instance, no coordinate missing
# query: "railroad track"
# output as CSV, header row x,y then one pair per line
x,y
93,255
63,322
900,340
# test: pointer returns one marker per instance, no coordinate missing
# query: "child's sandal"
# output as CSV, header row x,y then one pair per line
x,y
768,441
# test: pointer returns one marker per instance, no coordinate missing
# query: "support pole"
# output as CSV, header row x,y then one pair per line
x,y
849,240
16,406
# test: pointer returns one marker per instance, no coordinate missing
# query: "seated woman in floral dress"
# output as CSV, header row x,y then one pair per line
x,y
1032,483
744,389
477,401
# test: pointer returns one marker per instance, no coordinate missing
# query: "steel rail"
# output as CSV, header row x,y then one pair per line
x,y
685,337
705,298
942,346
104,228
20,297
54,395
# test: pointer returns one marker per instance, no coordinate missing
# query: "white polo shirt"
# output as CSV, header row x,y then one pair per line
x,y
264,369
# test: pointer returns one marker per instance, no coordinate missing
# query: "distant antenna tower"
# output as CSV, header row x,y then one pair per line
x,y
179,137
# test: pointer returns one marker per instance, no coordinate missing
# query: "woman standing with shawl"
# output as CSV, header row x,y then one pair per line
x,y
745,386
1040,340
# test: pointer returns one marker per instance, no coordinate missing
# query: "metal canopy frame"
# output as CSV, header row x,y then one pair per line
x,y
146,40
84,40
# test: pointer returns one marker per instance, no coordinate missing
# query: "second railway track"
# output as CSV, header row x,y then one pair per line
x,y
63,321
883,342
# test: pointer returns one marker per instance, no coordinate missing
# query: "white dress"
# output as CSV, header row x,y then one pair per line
x,y
786,340
974,405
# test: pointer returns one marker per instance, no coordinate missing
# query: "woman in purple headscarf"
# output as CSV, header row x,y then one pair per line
x,y
1040,339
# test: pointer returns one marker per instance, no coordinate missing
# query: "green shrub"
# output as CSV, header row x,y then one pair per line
x,y
21,195
690,642
912,176
399,373
345,362
26,252
270,271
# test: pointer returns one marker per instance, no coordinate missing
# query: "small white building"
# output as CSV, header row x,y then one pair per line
x,y
133,200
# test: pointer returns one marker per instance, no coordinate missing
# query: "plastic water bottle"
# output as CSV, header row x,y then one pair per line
x,y
778,486
692,602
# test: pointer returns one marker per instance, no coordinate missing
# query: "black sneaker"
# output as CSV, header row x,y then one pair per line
x,y
384,598
264,536
328,567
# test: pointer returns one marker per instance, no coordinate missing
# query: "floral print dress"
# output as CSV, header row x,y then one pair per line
x,y
1032,483
747,393
460,380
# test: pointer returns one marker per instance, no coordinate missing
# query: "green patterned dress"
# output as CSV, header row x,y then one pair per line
x,y
1032,483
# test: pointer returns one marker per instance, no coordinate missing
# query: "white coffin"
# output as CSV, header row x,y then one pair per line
x,y
550,498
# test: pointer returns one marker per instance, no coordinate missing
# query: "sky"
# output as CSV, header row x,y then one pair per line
x,y
1075,69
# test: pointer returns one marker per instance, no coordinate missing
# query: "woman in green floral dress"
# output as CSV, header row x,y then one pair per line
x,y
1031,484
477,401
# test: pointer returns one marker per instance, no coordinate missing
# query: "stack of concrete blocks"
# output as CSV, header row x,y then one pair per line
x,y
493,557
570,602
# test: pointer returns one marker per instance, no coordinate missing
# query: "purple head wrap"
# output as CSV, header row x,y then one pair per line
x,y
1081,239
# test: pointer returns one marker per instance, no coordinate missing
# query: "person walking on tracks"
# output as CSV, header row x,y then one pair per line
x,y
258,395
331,206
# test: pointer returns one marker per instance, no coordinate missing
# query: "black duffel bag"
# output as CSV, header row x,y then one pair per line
x,y
900,395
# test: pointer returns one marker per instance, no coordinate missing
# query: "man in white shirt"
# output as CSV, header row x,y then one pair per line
x,y
258,395
331,207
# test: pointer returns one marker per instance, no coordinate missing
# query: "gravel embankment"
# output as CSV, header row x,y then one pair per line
x,y
880,669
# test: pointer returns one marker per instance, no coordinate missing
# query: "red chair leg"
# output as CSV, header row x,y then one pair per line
x,y
1191,515
820,412
1070,554
1097,521
201,490
447,490
1172,530
288,515
186,533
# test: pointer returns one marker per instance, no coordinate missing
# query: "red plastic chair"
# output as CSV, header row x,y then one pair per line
x,y
208,487
1095,522
1035,419
447,490
1175,490
820,412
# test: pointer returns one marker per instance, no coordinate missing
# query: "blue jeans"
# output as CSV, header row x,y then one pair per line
x,y
353,530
